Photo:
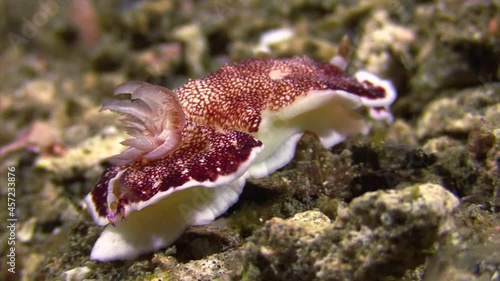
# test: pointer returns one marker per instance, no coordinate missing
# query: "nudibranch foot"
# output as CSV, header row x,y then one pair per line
x,y
154,117
154,228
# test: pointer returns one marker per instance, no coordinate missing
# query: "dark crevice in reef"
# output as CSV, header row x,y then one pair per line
x,y
460,181
255,194
48,226
365,155
483,60
418,159
218,42
385,169
193,246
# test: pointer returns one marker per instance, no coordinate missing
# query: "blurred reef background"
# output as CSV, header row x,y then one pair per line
x,y
418,199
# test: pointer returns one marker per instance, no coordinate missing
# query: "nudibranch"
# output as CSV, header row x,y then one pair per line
x,y
194,147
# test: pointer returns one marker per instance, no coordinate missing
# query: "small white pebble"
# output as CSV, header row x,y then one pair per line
x,y
76,274
272,37
27,230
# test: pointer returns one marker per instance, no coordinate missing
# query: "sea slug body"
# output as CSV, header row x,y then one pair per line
x,y
194,147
